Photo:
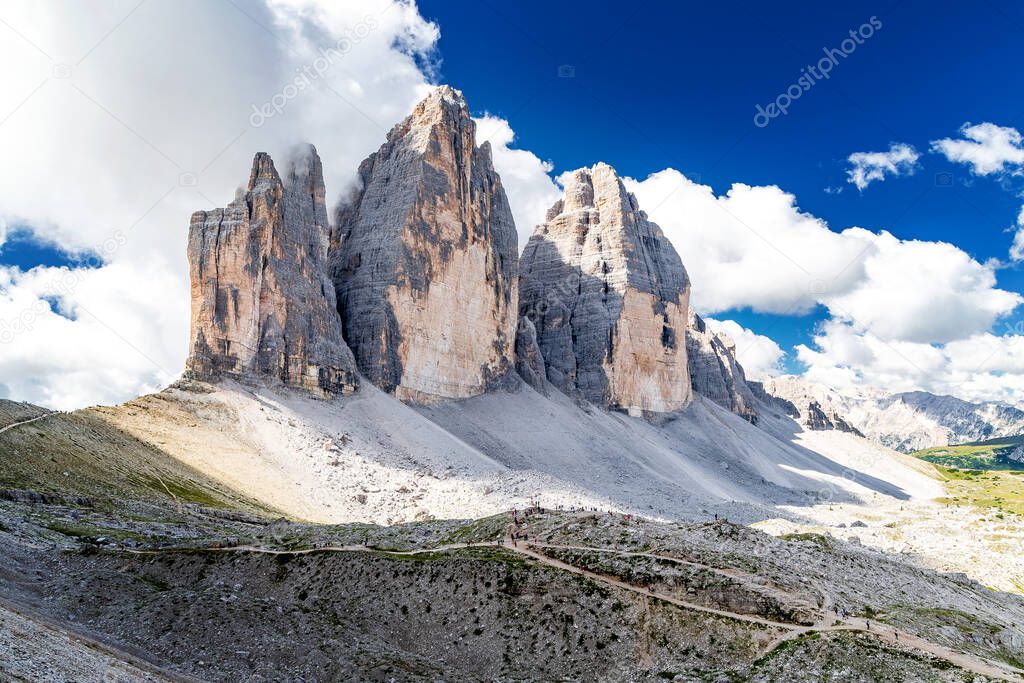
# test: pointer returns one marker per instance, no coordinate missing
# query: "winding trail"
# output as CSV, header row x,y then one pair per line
x,y
889,634
29,421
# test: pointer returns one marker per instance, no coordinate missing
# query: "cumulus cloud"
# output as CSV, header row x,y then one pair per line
x,y
76,336
759,355
1017,248
122,118
921,291
867,167
752,247
981,367
986,147
529,187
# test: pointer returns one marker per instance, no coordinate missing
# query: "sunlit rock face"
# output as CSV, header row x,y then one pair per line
x,y
714,371
609,298
263,306
424,260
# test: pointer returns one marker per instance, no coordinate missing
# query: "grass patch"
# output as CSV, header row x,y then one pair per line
x,y
988,489
995,454
818,539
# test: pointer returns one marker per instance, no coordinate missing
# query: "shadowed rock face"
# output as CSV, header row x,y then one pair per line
x,y
424,259
529,361
714,371
262,303
609,297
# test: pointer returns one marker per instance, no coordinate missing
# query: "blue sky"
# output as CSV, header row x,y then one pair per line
x,y
675,85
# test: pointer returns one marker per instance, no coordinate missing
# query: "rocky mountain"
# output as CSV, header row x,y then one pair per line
x,y
609,298
424,259
714,370
262,303
812,405
914,420
905,422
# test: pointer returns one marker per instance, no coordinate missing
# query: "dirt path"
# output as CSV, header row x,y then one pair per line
x,y
891,635
29,421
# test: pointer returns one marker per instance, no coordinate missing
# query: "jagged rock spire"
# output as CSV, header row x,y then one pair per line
x,y
424,259
609,297
263,306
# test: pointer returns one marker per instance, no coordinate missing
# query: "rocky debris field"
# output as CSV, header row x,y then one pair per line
x,y
216,593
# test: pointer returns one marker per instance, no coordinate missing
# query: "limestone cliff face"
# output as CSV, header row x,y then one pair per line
x,y
714,371
424,259
609,298
263,306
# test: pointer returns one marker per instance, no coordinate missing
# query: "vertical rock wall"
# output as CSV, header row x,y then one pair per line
x,y
262,303
714,371
609,297
424,259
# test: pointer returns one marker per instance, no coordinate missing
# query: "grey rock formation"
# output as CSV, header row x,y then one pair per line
x,y
714,371
424,259
816,407
529,360
263,306
609,297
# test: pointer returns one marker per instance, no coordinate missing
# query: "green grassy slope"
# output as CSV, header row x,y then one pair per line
x,y
995,454
80,455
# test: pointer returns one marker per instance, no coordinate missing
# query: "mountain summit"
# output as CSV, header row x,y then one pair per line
x,y
424,259
609,298
262,305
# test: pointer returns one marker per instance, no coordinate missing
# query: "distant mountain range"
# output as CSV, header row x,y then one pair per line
x,y
906,422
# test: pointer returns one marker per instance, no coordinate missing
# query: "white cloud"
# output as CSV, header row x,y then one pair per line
x,y
124,118
982,367
529,187
1017,248
759,355
752,247
866,167
73,337
986,147
921,292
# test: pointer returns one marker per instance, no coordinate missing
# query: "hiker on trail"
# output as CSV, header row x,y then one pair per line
x,y
869,624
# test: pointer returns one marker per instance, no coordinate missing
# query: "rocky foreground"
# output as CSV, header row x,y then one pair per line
x,y
122,562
